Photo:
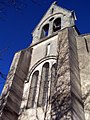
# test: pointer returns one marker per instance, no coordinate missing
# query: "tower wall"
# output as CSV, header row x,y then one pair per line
x,y
75,81
83,45
41,48
13,90
67,103
49,80
40,56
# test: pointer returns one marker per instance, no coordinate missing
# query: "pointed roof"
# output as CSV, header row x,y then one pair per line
x,y
54,9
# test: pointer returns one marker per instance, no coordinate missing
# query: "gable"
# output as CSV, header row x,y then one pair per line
x,y
45,28
54,9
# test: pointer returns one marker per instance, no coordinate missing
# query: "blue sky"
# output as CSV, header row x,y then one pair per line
x,y
16,26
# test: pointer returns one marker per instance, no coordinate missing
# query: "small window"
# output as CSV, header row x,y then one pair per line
x,y
45,31
57,24
52,10
48,49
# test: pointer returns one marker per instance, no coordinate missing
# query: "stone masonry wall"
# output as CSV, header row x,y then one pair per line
x,y
13,89
75,82
61,102
66,102
83,46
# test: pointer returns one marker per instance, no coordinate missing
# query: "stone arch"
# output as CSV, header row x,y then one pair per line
x,y
57,24
53,80
33,89
43,91
45,31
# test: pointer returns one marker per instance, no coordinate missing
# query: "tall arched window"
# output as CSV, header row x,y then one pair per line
x,y
33,88
53,80
57,24
43,91
45,31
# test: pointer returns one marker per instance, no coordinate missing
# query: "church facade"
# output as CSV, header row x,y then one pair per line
x,y
50,79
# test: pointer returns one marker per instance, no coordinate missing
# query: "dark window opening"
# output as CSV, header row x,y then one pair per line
x,y
52,10
33,88
53,81
43,91
57,25
45,31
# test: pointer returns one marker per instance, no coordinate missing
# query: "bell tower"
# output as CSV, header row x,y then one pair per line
x,y
55,19
51,83
48,70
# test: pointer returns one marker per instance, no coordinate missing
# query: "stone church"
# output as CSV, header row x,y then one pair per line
x,y
50,80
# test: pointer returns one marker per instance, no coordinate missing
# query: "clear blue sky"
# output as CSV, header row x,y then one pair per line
x,y
16,26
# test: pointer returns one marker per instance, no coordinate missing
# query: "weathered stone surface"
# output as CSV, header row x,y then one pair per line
x,y
61,102
68,19
67,102
61,93
75,82
83,45
13,90
33,114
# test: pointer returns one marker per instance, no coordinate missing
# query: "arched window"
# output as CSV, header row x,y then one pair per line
x,y
43,91
33,88
45,31
57,24
53,80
